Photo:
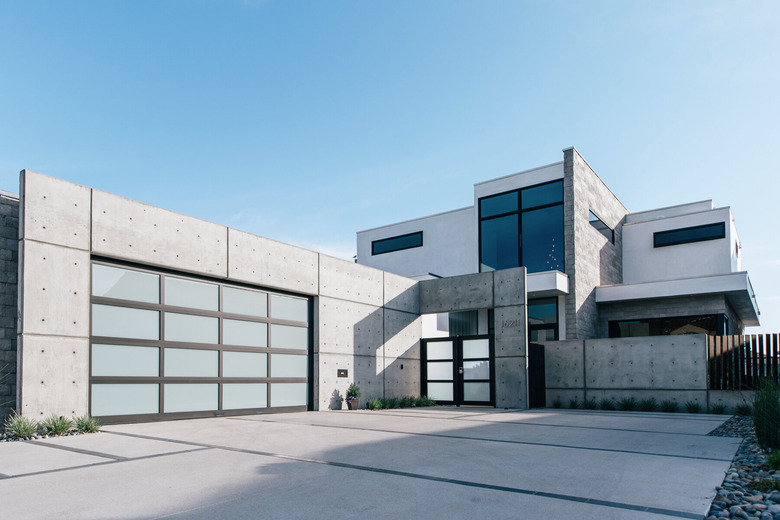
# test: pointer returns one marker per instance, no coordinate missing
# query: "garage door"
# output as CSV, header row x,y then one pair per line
x,y
168,346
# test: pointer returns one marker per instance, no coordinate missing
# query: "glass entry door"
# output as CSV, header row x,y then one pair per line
x,y
458,370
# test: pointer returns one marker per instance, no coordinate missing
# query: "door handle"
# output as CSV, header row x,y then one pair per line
x,y
460,370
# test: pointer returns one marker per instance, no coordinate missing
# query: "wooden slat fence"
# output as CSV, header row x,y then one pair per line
x,y
739,362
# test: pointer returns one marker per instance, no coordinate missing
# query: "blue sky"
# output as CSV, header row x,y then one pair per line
x,y
308,121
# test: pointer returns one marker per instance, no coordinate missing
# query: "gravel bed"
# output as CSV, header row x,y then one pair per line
x,y
734,498
5,437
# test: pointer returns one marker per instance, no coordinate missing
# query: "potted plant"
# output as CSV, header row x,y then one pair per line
x,y
353,396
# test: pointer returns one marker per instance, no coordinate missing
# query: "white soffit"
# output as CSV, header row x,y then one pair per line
x,y
547,283
735,286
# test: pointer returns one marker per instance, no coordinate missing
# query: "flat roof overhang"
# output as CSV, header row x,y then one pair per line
x,y
735,286
545,284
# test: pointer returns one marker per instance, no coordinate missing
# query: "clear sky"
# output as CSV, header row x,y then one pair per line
x,y
306,121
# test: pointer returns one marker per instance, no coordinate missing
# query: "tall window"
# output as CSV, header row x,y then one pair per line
x,y
522,227
543,319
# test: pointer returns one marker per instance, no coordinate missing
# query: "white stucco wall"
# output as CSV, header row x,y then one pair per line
x,y
644,263
449,245
515,181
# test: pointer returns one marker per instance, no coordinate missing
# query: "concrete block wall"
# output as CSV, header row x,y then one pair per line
x,y
591,259
365,320
9,231
660,367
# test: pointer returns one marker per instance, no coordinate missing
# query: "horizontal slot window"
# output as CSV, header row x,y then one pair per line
x,y
689,235
388,245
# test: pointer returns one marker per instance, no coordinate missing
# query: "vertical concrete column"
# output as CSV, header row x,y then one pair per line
x,y
511,343
54,258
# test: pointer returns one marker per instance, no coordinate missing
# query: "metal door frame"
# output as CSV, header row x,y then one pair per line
x,y
457,369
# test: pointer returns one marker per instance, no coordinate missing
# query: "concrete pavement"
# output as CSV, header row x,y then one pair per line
x,y
425,463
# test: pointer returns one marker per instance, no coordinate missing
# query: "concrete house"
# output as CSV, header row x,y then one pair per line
x,y
131,312
595,270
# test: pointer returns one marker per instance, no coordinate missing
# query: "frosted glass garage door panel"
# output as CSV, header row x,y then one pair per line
x,y
476,392
288,394
125,399
188,293
125,284
287,308
244,333
236,396
441,370
125,361
439,350
285,336
476,348
191,397
289,365
244,364
123,322
183,362
440,391
191,329
242,301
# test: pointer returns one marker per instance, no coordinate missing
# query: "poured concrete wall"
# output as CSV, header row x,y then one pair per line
x,y
659,367
365,320
9,229
503,291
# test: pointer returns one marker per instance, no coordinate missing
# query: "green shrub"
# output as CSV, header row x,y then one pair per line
x,y
56,425
607,404
718,409
648,405
87,424
557,403
669,406
407,402
590,404
766,414
574,404
744,409
424,400
375,404
692,407
627,404
392,402
774,460
20,426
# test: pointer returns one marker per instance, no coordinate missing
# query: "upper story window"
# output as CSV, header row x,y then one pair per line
x,y
599,224
522,227
689,234
388,245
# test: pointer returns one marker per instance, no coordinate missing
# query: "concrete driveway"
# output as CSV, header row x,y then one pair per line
x,y
412,463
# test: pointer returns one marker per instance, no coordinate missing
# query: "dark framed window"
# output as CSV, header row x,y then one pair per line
x,y
543,319
522,227
399,243
711,324
689,235
599,224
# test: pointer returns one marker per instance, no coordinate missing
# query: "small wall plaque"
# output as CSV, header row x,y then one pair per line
x,y
342,372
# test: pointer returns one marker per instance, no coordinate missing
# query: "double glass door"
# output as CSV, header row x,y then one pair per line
x,y
459,370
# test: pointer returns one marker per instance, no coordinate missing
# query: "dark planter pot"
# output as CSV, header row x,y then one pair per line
x,y
354,404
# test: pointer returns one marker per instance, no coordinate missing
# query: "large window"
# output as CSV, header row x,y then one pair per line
x,y
522,227
690,234
712,324
166,344
388,245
